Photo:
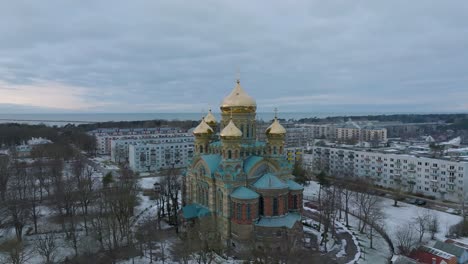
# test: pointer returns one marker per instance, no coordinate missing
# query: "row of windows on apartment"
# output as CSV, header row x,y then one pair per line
x,y
172,147
435,165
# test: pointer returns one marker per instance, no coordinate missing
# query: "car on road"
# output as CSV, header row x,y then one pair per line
x,y
420,202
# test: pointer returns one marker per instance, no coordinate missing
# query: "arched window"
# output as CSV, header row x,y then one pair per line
x,y
229,154
295,201
275,206
248,212
274,150
239,211
201,148
248,131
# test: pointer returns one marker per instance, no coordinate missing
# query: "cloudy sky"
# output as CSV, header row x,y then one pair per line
x,y
182,56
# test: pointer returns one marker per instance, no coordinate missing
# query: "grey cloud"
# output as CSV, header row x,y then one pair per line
x,y
148,55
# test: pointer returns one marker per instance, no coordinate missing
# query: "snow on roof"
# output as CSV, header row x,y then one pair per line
x,y
294,185
429,139
453,142
437,252
38,141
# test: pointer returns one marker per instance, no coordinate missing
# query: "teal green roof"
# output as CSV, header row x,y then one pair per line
x,y
269,181
212,161
244,193
194,211
250,162
294,185
282,221
449,248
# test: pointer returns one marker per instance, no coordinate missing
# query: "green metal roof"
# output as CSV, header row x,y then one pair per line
x,y
250,162
269,181
282,221
212,160
294,185
194,211
244,193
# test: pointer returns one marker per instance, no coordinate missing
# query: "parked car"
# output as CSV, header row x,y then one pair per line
x,y
420,202
454,211
411,200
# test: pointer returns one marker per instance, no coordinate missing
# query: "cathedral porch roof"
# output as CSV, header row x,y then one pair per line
x,y
244,193
287,220
194,211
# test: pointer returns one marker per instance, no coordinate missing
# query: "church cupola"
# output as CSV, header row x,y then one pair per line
x,y
202,135
231,138
210,119
238,101
275,137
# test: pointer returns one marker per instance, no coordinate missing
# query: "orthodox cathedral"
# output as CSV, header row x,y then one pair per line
x,y
245,185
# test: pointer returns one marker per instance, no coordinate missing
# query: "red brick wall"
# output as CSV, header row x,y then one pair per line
x,y
244,220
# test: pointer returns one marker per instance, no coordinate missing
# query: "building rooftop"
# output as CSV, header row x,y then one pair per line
x,y
287,220
270,181
294,185
449,248
212,160
244,193
194,211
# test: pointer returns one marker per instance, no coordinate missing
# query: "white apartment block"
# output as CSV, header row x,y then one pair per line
x,y
104,136
153,157
442,178
352,131
120,147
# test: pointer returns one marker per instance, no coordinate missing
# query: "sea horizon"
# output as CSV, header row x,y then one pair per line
x,y
61,119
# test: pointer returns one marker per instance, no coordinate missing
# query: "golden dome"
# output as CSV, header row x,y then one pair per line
x,y
202,128
210,119
231,131
238,101
275,128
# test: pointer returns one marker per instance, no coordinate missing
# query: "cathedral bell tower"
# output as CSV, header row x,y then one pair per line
x,y
239,107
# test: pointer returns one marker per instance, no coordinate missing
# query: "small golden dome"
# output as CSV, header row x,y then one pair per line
x,y
275,128
231,131
238,101
202,128
210,119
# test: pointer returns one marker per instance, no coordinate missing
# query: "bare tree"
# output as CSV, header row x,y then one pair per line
x,y
434,225
376,218
5,171
406,239
47,248
17,253
421,222
15,206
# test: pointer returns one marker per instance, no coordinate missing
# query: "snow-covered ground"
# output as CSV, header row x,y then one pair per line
x,y
395,218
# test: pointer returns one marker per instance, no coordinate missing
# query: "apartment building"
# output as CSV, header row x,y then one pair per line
x,y
120,147
355,132
163,155
442,178
104,136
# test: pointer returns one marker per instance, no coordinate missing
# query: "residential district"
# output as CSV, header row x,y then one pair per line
x,y
233,189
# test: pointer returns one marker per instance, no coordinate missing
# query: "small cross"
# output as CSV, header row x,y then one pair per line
x,y
276,112
238,75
